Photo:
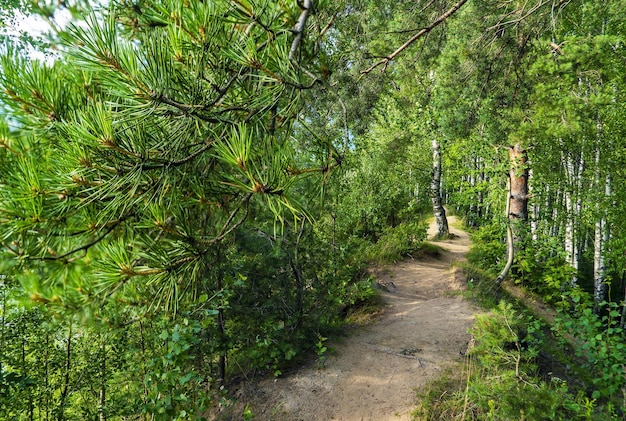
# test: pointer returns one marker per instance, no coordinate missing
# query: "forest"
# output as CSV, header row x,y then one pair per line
x,y
192,192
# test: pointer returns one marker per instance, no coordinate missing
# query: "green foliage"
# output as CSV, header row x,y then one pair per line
x,y
488,247
157,167
180,159
321,349
397,242
541,267
601,343
504,340
500,381
173,385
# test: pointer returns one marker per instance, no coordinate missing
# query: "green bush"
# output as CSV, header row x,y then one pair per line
x,y
602,345
489,248
500,380
542,268
397,242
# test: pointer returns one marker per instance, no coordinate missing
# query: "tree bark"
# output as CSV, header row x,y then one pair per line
x,y
573,206
66,375
435,187
518,174
517,204
103,380
221,322
601,228
622,323
601,236
535,213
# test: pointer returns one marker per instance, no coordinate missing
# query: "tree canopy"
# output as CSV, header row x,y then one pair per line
x,y
193,189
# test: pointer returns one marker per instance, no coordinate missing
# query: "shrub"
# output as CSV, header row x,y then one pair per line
x,y
500,381
397,242
602,345
488,249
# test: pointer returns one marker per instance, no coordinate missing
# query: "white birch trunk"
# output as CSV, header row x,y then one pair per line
x,y
472,185
438,209
601,236
599,287
481,195
534,217
578,244
598,244
573,206
568,242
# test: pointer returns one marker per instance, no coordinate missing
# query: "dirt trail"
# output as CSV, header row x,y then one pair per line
x,y
374,372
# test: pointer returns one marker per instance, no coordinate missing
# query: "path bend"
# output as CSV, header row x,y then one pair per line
x,y
373,374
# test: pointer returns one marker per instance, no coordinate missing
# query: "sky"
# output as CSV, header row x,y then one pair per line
x,y
36,26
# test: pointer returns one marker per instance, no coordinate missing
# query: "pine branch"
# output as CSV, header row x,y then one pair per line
x,y
525,14
179,162
227,228
415,37
87,246
187,109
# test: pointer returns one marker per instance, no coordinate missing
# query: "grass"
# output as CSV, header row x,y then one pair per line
x,y
443,399
365,312
550,380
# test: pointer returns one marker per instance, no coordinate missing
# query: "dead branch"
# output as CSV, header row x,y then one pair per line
x,y
421,33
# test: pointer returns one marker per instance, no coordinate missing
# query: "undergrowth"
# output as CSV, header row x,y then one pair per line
x,y
397,243
519,368
501,379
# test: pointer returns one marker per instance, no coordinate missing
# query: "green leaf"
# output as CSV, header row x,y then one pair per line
x,y
184,379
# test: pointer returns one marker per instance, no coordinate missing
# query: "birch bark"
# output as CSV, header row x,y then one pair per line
x,y
435,187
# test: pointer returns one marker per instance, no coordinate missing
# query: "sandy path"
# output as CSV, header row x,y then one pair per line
x,y
374,372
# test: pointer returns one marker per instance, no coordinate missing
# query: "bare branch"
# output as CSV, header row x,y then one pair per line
x,y
90,244
299,28
415,37
185,108
518,15
227,228
181,161
328,25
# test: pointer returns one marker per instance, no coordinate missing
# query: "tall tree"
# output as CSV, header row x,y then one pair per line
x,y
214,89
133,161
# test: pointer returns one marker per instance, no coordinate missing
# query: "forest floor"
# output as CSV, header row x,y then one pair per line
x,y
374,372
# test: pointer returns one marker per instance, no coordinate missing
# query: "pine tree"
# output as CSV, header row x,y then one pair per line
x,y
148,142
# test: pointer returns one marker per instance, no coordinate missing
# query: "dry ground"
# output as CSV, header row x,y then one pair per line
x,y
374,372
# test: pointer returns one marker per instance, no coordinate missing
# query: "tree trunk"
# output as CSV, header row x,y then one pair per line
x,y
518,173
480,212
103,380
623,320
573,207
535,213
66,376
47,380
601,236
435,187
569,234
221,331
517,204
471,218
599,287
221,359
